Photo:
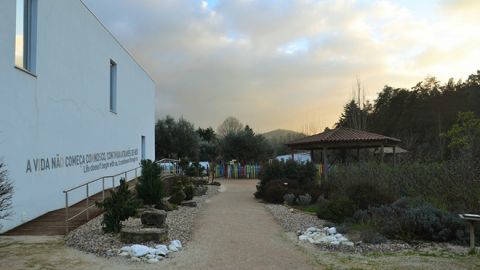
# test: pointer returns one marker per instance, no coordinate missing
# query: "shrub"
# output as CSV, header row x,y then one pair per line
x,y
118,207
300,176
414,219
449,185
304,200
189,192
337,209
275,190
150,187
194,170
6,193
289,199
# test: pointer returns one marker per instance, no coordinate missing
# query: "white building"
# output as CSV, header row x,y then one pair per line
x,y
74,105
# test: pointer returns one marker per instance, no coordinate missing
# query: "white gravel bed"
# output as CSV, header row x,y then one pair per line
x,y
293,220
90,237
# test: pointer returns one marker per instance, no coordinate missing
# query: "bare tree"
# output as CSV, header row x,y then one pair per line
x,y
6,193
229,125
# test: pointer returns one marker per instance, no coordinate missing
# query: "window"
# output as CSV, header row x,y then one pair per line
x,y
25,35
113,86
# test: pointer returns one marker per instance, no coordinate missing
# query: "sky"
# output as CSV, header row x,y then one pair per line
x,y
289,64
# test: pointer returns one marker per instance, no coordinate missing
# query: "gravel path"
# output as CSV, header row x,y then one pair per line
x,y
293,220
90,238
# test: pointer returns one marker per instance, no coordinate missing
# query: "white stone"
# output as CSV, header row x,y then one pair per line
x,y
348,243
153,260
338,235
160,250
177,243
126,249
172,248
151,256
140,250
159,258
303,237
342,239
124,254
312,229
332,230
328,239
135,259
335,243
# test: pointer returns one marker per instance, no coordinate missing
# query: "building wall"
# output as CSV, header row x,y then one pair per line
x,y
64,112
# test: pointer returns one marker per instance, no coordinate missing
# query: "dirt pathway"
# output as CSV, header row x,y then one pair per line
x,y
236,232
233,231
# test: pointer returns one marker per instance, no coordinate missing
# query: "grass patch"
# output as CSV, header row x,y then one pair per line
x,y
311,209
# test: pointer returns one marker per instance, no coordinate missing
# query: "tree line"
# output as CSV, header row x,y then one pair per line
x,y
232,140
422,117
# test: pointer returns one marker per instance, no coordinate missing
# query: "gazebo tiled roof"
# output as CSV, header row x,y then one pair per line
x,y
343,138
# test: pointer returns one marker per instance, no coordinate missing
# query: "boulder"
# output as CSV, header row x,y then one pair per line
x,y
154,218
177,197
165,205
139,250
332,231
189,203
160,250
143,235
175,245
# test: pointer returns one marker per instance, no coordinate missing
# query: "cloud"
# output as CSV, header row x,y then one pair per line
x,y
280,64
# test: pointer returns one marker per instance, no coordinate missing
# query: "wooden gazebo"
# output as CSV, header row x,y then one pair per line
x,y
344,138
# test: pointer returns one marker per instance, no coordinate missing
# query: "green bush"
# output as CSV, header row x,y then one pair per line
x,y
336,209
301,179
448,185
413,219
304,200
189,192
289,199
275,190
118,207
150,187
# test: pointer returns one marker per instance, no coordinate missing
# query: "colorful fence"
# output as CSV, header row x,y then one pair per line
x,y
238,171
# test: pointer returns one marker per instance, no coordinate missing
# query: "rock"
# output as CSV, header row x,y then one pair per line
x,y
161,250
335,243
312,229
177,243
135,259
152,260
154,217
109,253
303,238
126,249
200,191
332,231
143,235
140,250
177,197
338,235
165,205
159,258
348,243
189,203
123,254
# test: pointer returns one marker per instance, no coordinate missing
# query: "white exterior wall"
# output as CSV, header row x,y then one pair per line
x,y
65,111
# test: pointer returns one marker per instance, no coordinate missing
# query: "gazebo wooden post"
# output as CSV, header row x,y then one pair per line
x,y
382,152
325,163
394,157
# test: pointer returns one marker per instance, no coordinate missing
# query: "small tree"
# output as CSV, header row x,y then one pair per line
x,y
118,207
6,193
150,187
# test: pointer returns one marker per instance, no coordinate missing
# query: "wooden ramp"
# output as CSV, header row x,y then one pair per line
x,y
53,223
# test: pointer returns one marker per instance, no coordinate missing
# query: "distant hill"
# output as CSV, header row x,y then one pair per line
x,y
282,135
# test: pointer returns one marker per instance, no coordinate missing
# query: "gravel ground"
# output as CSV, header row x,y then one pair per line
x,y
90,238
295,221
